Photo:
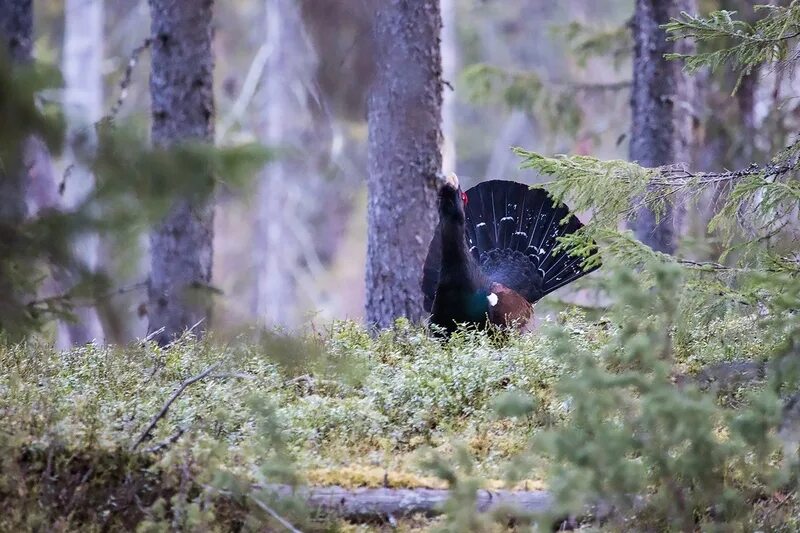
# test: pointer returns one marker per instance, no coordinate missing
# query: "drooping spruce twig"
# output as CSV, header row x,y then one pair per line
x,y
125,82
124,87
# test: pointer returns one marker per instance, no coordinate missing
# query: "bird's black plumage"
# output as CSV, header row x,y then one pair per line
x,y
505,234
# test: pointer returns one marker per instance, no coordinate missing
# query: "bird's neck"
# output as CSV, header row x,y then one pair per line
x,y
457,263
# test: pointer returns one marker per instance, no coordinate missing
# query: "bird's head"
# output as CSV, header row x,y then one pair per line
x,y
452,200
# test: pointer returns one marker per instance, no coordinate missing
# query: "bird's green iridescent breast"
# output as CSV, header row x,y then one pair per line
x,y
476,305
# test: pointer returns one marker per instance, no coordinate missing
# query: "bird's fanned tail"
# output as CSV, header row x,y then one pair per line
x,y
511,230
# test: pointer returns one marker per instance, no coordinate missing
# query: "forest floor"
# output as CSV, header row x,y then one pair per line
x,y
141,436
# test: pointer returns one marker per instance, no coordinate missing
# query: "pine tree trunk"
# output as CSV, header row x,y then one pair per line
x,y
83,78
181,89
405,139
662,111
16,31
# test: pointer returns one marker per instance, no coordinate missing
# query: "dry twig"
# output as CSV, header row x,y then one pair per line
x,y
146,433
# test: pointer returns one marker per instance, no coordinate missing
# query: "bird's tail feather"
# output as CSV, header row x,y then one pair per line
x,y
505,215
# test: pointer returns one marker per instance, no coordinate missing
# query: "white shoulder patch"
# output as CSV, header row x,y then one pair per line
x,y
492,299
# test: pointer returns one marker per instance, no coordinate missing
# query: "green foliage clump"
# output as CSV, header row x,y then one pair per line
x,y
586,43
528,92
666,454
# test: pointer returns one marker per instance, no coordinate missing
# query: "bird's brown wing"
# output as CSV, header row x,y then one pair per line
x,y
511,309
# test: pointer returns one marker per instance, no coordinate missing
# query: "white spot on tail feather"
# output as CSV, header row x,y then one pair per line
x,y
492,299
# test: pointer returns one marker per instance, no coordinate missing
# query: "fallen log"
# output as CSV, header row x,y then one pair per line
x,y
366,503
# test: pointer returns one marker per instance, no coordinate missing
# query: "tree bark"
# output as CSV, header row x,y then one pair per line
x,y
181,91
16,31
662,121
83,79
405,139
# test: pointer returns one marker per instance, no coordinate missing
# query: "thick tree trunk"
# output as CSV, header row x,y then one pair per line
x,y
16,29
405,140
662,111
83,77
16,32
181,88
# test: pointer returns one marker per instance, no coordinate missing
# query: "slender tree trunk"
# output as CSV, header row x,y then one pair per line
x,y
662,111
83,77
450,69
181,89
287,186
405,139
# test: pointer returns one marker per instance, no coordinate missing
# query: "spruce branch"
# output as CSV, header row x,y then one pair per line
x,y
768,40
756,208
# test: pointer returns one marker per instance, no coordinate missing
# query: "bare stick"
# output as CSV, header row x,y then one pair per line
x,y
254,75
267,509
154,333
146,433
167,443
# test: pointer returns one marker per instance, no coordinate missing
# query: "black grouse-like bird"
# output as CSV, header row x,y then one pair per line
x,y
491,257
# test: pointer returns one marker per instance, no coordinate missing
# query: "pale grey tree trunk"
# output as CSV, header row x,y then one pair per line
x,y
450,69
405,140
662,111
83,98
181,91
287,186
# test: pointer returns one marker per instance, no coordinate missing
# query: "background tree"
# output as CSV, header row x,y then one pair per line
x,y
405,139
289,188
181,87
661,107
450,73
83,102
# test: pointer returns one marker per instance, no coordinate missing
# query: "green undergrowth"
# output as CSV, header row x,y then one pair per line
x,y
343,407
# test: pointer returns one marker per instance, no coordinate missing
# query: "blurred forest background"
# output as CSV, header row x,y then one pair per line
x,y
298,143
553,77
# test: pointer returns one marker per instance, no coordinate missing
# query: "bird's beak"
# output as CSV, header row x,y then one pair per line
x,y
448,179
